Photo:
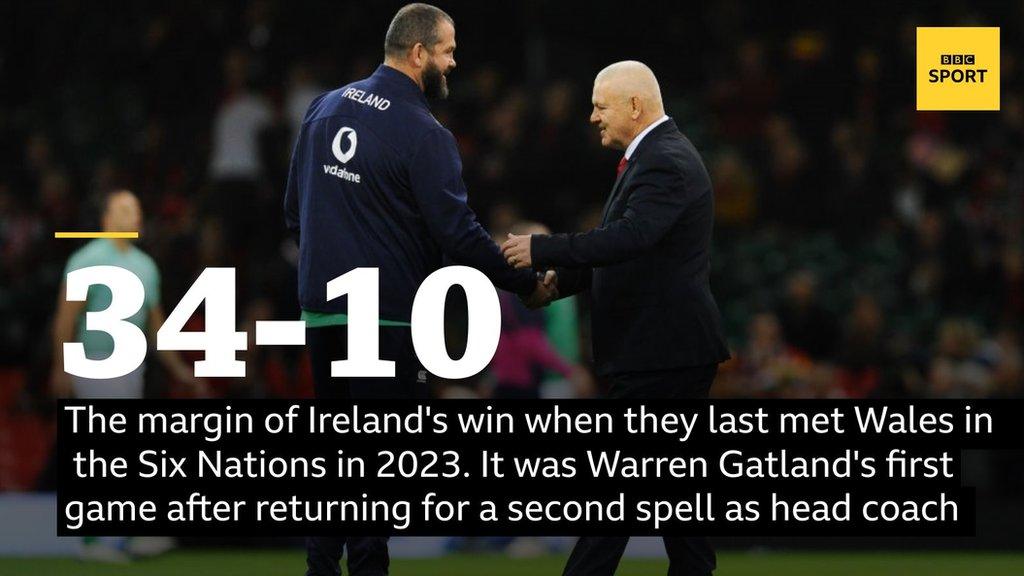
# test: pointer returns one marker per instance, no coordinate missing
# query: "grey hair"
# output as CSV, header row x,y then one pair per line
x,y
414,24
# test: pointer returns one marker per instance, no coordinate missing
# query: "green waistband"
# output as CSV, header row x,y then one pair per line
x,y
321,319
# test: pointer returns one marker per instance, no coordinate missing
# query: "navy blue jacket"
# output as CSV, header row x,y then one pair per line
x,y
647,265
376,181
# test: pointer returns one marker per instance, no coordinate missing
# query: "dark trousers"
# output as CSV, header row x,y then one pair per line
x,y
331,343
687,556
367,556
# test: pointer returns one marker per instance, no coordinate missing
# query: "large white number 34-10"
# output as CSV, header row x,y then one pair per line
x,y
220,341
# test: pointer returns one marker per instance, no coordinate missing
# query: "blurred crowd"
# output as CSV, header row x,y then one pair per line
x,y
862,249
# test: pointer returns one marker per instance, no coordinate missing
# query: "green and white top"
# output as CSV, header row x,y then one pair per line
x,y
104,252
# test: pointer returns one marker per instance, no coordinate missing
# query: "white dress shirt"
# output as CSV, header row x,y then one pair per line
x,y
636,141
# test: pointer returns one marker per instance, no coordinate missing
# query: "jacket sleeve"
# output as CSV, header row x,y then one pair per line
x,y
292,210
658,199
572,281
435,174
291,194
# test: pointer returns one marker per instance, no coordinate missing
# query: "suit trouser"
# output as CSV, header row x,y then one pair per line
x,y
367,556
687,556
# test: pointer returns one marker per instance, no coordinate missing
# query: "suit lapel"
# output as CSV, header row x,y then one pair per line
x,y
657,132
615,189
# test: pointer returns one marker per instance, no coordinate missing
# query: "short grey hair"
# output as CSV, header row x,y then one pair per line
x,y
414,23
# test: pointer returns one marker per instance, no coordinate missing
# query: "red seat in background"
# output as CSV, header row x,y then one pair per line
x,y
26,438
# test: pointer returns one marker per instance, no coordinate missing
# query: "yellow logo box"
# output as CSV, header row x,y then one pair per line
x,y
958,68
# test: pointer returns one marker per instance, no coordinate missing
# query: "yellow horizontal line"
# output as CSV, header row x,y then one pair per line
x,y
95,234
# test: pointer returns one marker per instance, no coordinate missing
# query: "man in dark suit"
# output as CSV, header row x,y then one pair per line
x,y
656,329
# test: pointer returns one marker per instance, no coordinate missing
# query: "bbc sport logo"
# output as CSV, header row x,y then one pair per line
x,y
966,73
958,68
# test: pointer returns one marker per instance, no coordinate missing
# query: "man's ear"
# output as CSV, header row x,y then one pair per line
x,y
636,107
419,55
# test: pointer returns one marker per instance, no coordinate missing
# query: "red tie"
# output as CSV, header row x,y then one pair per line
x,y
622,166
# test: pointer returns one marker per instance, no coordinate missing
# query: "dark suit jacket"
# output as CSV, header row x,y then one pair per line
x,y
647,264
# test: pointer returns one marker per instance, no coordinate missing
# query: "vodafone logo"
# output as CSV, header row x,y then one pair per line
x,y
344,156
346,137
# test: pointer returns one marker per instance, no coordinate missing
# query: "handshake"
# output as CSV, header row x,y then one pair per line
x,y
516,250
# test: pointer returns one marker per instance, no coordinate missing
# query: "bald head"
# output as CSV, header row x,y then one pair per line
x,y
630,78
626,100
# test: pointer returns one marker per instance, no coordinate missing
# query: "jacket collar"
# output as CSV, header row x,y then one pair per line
x,y
402,85
664,127
631,149
657,131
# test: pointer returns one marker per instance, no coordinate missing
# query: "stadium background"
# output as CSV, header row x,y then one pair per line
x,y
862,249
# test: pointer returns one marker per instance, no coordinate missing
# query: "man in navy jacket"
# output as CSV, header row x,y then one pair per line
x,y
375,181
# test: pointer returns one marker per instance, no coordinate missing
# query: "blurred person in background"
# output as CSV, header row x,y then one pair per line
x,y
1003,353
242,116
806,324
863,358
957,370
236,160
302,89
735,191
121,213
771,368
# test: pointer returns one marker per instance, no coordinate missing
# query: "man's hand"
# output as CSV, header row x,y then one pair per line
x,y
545,292
517,251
